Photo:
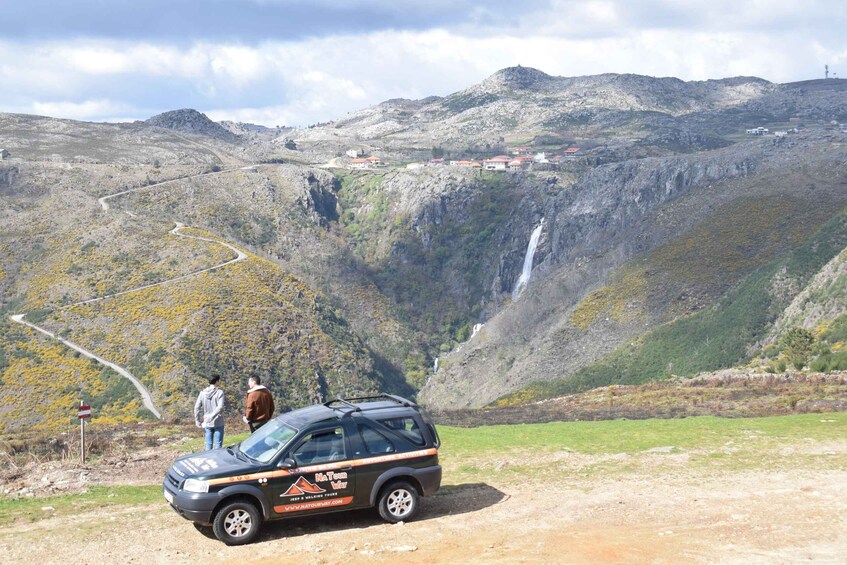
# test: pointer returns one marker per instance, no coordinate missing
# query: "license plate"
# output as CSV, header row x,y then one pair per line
x,y
169,497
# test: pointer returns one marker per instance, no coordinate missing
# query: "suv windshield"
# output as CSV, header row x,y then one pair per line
x,y
267,441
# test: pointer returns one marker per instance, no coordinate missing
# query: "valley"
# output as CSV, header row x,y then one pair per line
x,y
669,244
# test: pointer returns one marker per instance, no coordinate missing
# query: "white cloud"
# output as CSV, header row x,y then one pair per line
x,y
86,110
321,78
97,60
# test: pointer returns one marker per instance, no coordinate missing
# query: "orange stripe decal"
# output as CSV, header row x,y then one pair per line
x,y
313,505
326,466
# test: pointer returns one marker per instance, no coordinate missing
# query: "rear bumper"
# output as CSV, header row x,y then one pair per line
x,y
429,479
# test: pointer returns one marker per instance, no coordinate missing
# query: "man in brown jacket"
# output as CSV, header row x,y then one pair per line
x,y
260,404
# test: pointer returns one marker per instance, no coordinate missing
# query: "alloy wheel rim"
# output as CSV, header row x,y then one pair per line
x,y
400,502
237,523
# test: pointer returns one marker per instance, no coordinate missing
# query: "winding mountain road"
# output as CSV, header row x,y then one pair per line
x,y
146,397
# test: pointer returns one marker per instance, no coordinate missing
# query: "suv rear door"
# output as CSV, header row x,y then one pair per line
x,y
373,448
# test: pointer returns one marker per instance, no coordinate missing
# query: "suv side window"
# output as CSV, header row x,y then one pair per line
x,y
321,446
375,442
406,427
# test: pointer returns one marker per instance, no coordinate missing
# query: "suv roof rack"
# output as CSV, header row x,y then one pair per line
x,y
351,407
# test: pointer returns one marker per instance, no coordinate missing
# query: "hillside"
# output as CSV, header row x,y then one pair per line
x,y
672,243
167,321
633,246
521,105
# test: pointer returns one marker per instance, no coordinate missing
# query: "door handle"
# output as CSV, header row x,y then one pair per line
x,y
347,468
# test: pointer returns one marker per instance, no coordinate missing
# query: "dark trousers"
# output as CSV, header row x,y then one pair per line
x,y
256,425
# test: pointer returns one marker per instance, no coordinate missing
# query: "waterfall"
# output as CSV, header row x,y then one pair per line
x,y
523,280
435,366
476,328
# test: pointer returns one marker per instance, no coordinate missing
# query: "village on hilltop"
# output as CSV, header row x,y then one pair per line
x,y
521,159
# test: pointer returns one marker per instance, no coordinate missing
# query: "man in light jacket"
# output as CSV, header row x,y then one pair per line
x,y
260,404
211,402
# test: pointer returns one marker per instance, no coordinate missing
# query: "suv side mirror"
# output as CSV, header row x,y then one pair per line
x,y
287,463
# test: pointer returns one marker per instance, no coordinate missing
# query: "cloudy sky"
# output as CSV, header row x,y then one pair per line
x,y
287,62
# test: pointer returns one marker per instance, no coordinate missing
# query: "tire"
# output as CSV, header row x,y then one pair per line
x,y
398,502
237,523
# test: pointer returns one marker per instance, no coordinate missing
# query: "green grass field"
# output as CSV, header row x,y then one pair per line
x,y
633,436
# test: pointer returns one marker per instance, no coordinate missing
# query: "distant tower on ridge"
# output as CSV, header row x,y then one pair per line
x,y
826,71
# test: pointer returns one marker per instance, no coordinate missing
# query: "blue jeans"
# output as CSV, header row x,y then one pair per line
x,y
216,434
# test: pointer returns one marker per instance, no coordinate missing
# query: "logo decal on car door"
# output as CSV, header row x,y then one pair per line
x,y
302,486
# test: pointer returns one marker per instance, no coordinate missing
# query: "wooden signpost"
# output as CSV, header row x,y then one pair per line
x,y
83,413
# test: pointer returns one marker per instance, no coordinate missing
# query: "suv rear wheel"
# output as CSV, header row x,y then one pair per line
x,y
398,502
237,523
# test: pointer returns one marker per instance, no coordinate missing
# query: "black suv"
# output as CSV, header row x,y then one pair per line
x,y
354,453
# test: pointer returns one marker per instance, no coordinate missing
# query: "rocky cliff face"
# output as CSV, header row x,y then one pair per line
x,y
822,300
8,174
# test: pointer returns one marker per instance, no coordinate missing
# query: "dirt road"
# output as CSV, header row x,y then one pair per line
x,y
652,507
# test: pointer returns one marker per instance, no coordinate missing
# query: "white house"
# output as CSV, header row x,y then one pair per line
x,y
540,158
498,163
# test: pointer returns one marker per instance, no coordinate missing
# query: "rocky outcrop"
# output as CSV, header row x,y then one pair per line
x,y
8,174
191,121
322,197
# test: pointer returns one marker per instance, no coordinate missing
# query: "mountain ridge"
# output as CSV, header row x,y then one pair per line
x,y
666,208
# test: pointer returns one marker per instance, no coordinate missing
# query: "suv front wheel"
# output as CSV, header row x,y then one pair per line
x,y
398,502
237,523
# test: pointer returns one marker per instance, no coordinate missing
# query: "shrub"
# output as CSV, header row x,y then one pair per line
x,y
797,344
